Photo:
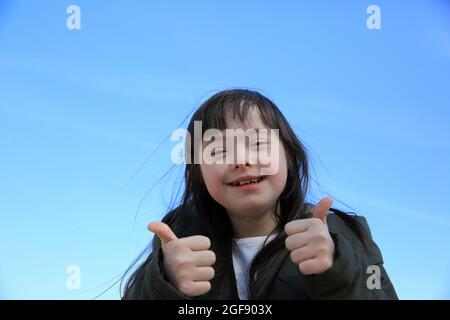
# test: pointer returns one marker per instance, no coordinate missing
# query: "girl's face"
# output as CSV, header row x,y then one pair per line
x,y
255,199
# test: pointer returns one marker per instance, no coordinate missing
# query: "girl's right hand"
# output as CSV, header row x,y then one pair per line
x,y
187,261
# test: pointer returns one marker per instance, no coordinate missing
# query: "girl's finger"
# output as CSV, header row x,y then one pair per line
x,y
322,208
203,274
163,231
303,254
197,243
204,258
297,240
296,226
200,287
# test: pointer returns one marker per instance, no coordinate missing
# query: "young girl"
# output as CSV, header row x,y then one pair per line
x,y
240,233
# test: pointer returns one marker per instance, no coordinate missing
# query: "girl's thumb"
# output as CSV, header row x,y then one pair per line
x,y
322,208
163,231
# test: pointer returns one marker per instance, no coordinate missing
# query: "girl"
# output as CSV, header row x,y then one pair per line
x,y
242,234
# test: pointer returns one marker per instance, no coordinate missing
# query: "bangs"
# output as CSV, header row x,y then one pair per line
x,y
237,105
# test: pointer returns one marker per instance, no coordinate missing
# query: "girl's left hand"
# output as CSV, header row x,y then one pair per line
x,y
309,241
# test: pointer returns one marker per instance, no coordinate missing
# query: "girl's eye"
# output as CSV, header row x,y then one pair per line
x,y
261,143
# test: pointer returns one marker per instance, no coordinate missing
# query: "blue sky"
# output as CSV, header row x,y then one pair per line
x,y
81,110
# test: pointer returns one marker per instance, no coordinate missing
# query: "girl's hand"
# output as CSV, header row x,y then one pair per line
x,y
309,241
187,261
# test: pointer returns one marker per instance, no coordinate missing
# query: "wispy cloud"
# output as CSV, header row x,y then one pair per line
x,y
402,209
391,122
126,83
110,136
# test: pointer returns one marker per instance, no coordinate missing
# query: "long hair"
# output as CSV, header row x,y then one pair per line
x,y
214,218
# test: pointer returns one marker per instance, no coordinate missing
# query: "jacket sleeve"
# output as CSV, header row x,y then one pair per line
x,y
151,283
357,272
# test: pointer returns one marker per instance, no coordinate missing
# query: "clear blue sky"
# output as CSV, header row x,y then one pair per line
x,y
81,110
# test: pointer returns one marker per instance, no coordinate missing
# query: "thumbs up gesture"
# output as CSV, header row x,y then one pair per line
x,y
309,241
187,261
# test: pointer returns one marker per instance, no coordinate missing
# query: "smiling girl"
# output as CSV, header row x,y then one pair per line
x,y
240,233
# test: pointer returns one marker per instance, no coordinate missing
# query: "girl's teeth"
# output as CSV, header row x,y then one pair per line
x,y
240,183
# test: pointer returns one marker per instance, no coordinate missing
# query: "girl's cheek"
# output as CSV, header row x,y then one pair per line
x,y
280,177
213,178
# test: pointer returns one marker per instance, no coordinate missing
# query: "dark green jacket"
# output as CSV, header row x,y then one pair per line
x,y
346,279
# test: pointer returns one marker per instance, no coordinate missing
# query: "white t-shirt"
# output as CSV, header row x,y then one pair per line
x,y
243,252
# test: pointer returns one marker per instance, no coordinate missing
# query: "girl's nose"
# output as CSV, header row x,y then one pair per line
x,y
242,165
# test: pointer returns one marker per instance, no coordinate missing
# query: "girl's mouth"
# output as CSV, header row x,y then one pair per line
x,y
247,184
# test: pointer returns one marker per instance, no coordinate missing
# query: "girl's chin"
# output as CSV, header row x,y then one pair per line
x,y
244,208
